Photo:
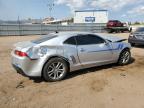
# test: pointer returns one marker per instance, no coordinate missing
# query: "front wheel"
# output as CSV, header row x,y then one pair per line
x,y
55,69
124,57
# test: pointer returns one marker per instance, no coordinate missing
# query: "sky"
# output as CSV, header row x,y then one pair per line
x,y
124,10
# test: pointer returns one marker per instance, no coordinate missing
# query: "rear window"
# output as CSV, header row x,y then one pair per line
x,y
140,29
43,39
70,41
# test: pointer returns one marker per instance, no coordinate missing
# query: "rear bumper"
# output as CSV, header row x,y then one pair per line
x,y
19,70
135,41
27,67
32,73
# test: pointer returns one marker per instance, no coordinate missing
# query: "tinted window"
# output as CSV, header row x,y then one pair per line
x,y
70,41
89,39
140,29
43,39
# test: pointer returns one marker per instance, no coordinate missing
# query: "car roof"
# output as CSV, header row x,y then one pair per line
x,y
68,34
113,20
62,36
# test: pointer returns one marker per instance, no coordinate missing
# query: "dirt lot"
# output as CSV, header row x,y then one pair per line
x,y
99,87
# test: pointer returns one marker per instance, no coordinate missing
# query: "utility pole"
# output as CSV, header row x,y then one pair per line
x,y
50,6
19,24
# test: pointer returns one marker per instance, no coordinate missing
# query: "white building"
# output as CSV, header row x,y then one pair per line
x,y
91,16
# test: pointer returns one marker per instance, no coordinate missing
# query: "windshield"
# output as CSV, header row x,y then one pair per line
x,y
141,29
43,38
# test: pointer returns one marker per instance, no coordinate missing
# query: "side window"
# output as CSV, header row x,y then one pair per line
x,y
89,39
70,41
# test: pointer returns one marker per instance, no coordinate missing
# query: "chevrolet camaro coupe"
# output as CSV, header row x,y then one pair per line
x,y
54,55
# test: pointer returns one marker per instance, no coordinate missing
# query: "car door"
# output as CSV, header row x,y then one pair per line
x,y
93,50
70,52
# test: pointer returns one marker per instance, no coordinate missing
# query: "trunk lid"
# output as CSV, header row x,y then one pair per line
x,y
24,45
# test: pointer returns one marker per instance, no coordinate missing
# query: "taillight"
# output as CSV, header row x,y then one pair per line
x,y
20,53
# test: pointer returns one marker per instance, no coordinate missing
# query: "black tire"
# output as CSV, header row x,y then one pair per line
x,y
117,31
110,31
52,73
122,31
124,57
132,44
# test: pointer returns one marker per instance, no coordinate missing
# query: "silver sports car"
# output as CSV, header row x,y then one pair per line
x,y
54,55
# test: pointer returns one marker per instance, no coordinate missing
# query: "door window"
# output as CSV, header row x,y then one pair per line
x,y
89,39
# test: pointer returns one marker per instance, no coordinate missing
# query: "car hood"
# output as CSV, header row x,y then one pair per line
x,y
113,38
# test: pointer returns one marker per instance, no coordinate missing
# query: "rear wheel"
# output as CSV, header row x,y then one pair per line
x,y
55,69
117,31
110,31
124,57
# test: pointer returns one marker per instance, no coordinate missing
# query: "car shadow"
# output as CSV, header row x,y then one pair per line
x,y
82,71
37,79
94,69
138,46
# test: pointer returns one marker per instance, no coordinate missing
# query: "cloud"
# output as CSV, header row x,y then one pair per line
x,y
124,15
114,5
99,4
73,4
137,10
119,9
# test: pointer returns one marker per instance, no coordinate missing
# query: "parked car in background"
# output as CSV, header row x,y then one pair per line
x,y
137,37
114,23
117,26
54,55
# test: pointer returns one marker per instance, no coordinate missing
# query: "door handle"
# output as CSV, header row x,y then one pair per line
x,y
82,50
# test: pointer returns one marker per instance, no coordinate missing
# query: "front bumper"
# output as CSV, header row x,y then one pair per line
x,y
135,41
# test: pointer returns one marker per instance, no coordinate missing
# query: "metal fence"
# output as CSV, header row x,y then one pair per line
x,y
36,29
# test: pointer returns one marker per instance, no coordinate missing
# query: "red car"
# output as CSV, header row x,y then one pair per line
x,y
117,27
114,23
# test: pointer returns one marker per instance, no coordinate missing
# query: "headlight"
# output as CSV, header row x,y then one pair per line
x,y
37,52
